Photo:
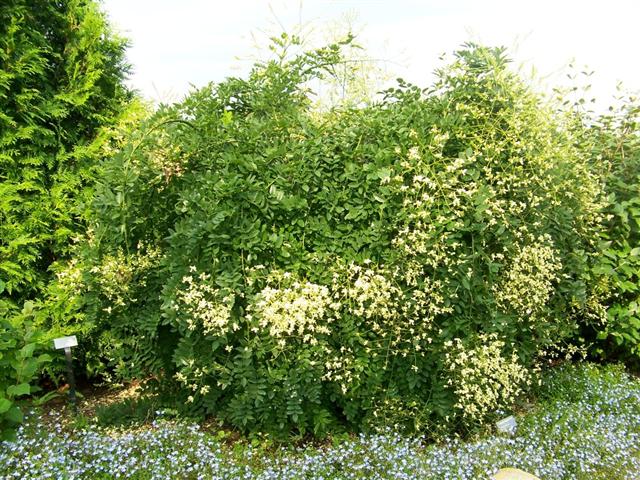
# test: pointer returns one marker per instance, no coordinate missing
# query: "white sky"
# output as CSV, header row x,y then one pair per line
x,y
178,43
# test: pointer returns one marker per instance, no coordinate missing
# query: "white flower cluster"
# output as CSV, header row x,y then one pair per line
x,y
117,273
70,277
200,304
193,378
528,284
294,309
482,377
166,158
368,293
340,368
114,276
433,207
427,299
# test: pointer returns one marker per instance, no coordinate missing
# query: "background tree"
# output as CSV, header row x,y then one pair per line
x,y
614,140
61,80
355,82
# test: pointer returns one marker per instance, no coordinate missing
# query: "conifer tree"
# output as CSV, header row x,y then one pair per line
x,y
61,79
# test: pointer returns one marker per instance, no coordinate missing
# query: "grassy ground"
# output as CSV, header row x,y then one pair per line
x,y
585,425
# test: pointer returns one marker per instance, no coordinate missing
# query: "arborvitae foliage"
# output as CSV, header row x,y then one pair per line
x,y
61,80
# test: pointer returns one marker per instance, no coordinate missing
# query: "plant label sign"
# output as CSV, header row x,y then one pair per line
x,y
65,342
507,425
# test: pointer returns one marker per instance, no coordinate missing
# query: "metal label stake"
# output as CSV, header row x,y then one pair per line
x,y
507,425
66,343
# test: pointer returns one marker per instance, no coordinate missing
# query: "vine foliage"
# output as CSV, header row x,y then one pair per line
x,y
290,270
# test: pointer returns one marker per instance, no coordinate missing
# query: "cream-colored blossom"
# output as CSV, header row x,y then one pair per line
x,y
483,377
199,304
528,284
368,292
118,272
296,308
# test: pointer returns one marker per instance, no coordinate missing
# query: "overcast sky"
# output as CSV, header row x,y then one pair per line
x,y
176,43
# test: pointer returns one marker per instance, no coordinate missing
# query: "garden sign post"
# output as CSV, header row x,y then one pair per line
x,y
67,343
507,425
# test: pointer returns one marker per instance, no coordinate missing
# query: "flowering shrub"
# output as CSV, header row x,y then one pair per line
x,y
368,294
528,284
291,270
116,274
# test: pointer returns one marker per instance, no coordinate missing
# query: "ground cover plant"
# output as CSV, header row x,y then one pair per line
x,y
294,271
585,425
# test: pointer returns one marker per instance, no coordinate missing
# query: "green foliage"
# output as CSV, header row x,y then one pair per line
x,y
130,410
295,271
616,145
406,263
61,80
19,366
